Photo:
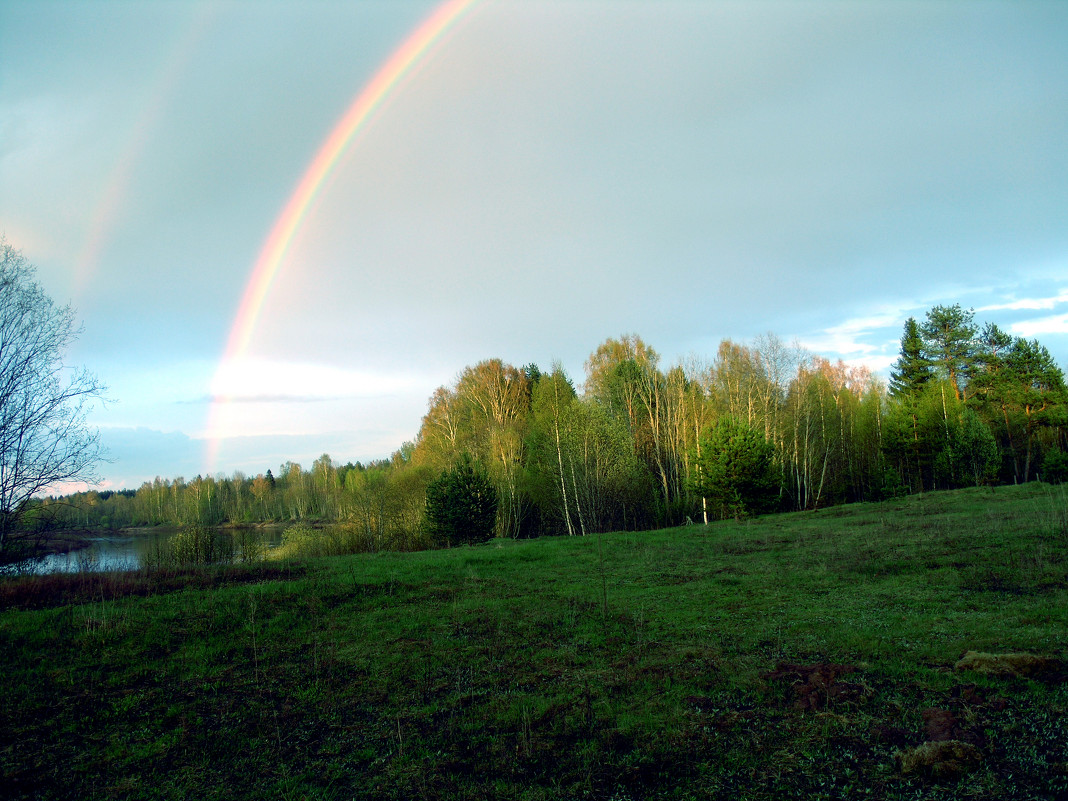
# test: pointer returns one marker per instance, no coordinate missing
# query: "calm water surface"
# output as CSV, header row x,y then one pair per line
x,y
126,550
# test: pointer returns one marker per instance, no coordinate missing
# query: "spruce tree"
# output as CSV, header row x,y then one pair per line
x,y
461,504
912,370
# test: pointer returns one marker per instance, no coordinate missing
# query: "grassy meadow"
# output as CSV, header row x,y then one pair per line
x,y
808,655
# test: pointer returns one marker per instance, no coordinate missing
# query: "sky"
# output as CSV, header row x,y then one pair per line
x,y
540,176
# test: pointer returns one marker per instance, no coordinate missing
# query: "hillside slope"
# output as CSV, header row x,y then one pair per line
x,y
810,655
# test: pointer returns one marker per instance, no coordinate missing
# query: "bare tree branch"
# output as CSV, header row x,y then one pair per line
x,y
44,439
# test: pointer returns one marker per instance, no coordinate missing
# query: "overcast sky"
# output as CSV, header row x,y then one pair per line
x,y
549,175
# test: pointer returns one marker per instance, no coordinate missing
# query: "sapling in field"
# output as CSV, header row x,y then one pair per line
x,y
734,470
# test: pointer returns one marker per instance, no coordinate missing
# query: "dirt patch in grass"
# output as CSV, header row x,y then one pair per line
x,y
818,686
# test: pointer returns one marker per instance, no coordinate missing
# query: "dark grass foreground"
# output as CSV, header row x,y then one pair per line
x,y
57,589
811,656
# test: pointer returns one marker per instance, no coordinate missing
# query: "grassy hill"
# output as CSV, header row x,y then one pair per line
x,y
810,655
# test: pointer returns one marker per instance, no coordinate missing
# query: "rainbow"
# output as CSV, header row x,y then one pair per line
x,y
114,196
273,252
296,208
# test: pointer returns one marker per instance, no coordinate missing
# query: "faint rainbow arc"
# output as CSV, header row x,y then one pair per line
x,y
114,195
288,223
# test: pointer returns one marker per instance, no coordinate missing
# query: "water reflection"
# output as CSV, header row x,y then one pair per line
x,y
130,550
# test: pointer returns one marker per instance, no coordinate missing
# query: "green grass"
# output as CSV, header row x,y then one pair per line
x,y
684,663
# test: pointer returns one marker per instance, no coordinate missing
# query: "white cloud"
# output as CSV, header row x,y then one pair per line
x,y
868,337
1054,324
879,364
1029,303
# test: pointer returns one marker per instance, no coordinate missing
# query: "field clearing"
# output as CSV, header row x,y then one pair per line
x,y
808,655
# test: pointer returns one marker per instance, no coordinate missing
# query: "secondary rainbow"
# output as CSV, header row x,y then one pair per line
x,y
285,228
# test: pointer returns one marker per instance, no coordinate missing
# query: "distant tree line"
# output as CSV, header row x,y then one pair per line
x,y
756,428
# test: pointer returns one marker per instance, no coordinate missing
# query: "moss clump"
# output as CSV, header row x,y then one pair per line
x,y
1020,664
945,759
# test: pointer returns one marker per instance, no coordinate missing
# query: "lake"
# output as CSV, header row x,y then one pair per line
x,y
127,550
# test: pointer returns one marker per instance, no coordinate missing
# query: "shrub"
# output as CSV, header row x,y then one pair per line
x,y
249,545
199,545
305,542
1055,467
302,540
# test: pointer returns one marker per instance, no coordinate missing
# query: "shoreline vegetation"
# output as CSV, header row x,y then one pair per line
x,y
912,648
756,428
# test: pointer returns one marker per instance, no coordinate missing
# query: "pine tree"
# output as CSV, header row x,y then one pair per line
x,y
949,343
734,470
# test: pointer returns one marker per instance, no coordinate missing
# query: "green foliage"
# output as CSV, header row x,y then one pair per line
x,y
949,343
199,545
582,469
965,407
249,546
975,452
734,470
912,370
304,541
938,442
461,504
1021,390
1055,467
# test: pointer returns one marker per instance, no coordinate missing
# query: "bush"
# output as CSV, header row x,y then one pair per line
x,y
1055,467
199,545
302,540
249,545
305,542
461,505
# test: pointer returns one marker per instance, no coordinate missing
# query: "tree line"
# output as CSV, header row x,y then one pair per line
x,y
758,427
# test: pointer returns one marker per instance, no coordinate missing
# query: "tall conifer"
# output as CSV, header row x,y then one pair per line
x,y
949,343
912,370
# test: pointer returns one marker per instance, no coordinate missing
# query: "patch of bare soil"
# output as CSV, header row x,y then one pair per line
x,y
819,686
954,735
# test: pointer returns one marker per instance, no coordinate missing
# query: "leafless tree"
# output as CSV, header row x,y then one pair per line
x,y
44,439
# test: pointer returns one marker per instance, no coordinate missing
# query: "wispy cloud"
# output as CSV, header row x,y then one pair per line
x,y
1053,324
1035,304
861,339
